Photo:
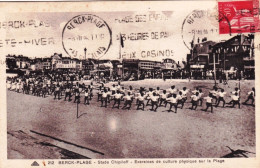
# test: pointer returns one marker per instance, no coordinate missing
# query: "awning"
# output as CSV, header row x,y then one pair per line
x,y
197,66
249,67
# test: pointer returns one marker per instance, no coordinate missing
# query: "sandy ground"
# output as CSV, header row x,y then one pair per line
x,y
132,133
24,146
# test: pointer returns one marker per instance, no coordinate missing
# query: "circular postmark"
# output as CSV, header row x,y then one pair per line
x,y
223,19
86,36
201,25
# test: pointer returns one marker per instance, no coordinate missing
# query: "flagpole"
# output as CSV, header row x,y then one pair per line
x,y
214,62
120,55
119,46
77,109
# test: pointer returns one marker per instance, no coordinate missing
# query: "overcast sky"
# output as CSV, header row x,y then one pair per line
x,y
170,22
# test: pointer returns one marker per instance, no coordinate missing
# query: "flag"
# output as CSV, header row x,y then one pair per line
x,y
121,41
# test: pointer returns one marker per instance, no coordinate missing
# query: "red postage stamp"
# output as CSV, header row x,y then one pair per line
x,y
238,16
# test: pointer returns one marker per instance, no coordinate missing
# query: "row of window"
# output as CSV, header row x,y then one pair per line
x,y
67,66
143,64
66,62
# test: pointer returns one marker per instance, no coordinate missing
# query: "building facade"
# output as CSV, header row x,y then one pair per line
x,y
199,57
65,63
233,57
235,53
22,62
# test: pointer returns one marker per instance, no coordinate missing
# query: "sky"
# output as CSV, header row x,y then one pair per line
x,y
161,34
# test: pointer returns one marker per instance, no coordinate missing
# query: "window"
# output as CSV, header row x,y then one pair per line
x,y
66,62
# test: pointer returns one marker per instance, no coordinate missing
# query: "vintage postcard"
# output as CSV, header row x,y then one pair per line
x,y
129,84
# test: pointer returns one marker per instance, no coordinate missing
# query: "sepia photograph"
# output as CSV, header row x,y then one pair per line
x,y
131,84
